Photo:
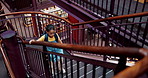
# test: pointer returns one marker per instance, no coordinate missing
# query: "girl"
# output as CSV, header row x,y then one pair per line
x,y
53,37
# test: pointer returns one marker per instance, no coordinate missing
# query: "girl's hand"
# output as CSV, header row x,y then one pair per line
x,y
31,41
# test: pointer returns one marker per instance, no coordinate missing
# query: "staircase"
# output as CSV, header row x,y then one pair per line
x,y
87,40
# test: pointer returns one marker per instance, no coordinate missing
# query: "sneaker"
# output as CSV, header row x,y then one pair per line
x,y
63,70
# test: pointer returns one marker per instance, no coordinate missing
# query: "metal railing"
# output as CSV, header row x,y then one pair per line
x,y
129,33
40,66
31,24
114,34
110,8
105,8
82,67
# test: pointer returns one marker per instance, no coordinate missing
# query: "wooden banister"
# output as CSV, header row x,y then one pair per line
x,y
135,71
34,12
129,52
86,22
138,69
113,18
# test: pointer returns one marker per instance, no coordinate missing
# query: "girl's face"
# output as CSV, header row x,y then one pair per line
x,y
51,33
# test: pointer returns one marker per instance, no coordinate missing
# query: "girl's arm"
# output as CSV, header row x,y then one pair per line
x,y
59,40
40,39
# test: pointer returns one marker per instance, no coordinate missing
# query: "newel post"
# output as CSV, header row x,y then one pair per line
x,y
11,48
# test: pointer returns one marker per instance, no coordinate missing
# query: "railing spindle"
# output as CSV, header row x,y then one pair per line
x,y
85,70
78,72
71,66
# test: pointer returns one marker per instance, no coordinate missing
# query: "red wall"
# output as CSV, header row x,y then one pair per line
x,y
75,32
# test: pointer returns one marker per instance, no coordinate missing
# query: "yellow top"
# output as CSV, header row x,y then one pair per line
x,y
49,39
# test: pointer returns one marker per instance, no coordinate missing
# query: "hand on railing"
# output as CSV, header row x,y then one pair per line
x,y
31,41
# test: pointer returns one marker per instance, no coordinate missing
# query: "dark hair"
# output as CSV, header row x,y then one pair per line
x,y
49,27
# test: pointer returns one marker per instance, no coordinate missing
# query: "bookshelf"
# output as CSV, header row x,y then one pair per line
x,y
55,11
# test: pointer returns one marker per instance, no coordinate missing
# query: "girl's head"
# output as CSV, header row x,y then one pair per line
x,y
50,30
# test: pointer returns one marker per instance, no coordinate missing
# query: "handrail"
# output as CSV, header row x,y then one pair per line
x,y
113,18
34,12
135,71
129,52
86,22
